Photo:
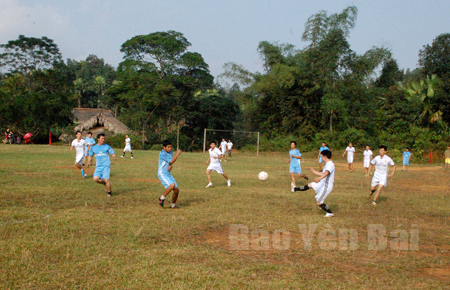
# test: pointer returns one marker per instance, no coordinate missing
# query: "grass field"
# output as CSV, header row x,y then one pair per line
x,y
58,230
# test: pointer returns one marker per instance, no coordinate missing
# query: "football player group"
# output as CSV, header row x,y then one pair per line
x,y
322,185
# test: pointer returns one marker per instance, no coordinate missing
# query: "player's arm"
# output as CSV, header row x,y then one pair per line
x,y
209,158
71,148
323,175
345,152
298,157
393,171
175,157
315,172
89,160
370,169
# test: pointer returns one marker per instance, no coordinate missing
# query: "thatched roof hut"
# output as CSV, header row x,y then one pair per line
x,y
97,121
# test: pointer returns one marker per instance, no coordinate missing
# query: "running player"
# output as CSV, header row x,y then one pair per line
x,y
214,164
89,142
381,174
323,184
406,157
351,151
368,156
295,167
127,147
324,147
103,164
166,160
79,145
223,147
229,147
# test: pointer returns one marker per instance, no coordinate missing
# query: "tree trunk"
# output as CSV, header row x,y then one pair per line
x,y
79,101
331,121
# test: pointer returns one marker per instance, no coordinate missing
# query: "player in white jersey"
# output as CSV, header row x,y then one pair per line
x,y
79,145
229,147
127,147
223,147
214,164
368,156
381,174
350,151
323,184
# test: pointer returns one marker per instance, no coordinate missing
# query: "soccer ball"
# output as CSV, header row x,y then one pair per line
x,y
263,176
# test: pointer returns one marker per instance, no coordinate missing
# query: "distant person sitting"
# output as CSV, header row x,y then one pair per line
x,y
8,136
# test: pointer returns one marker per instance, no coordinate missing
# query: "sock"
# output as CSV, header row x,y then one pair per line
x,y
162,197
302,188
82,171
123,154
374,190
325,208
173,205
131,154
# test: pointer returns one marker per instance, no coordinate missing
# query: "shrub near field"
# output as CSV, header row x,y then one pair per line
x,y
61,231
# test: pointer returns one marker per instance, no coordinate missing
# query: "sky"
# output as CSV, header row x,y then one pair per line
x,y
221,31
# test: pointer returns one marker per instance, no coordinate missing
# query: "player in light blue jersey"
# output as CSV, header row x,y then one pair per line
x,y
166,160
90,141
103,164
406,156
324,147
295,167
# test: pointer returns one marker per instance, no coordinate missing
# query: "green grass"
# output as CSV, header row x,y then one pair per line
x,y
61,231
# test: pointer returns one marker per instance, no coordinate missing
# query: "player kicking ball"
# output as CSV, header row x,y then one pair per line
x,y
323,184
381,174
214,164
295,167
79,145
166,160
102,162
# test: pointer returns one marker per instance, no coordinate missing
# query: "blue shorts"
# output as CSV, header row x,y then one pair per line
x,y
295,169
320,159
102,172
405,162
167,179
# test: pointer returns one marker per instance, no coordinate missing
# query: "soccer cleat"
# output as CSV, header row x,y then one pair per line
x,y
174,207
306,177
209,185
292,187
161,202
374,203
85,175
228,181
121,156
329,214
132,157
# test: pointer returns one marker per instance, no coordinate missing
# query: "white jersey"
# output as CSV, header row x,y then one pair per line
x,y
79,148
229,145
127,141
214,153
127,144
223,146
350,152
382,166
367,155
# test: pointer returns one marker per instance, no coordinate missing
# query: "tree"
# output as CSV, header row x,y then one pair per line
x,y
435,58
422,92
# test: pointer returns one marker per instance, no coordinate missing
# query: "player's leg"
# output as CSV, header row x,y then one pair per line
x,y
98,180
226,177
123,155
377,194
303,188
176,190
79,165
131,152
108,186
293,178
166,192
208,175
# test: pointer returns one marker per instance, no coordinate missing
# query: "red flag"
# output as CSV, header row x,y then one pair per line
x,y
431,157
50,139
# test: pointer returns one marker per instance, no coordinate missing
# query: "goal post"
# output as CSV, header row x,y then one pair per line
x,y
231,131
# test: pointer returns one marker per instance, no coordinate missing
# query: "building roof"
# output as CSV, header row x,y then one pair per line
x,y
97,120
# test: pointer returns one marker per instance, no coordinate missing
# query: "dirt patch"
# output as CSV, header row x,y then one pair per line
x,y
443,274
10,165
64,167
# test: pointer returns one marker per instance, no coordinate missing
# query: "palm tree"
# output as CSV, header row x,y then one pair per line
x,y
423,91
80,88
99,86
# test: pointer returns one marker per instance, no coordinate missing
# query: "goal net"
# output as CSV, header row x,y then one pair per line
x,y
238,138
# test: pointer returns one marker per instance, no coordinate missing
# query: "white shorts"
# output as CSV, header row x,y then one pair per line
x,y
224,151
349,159
127,148
79,159
322,191
216,167
367,164
376,180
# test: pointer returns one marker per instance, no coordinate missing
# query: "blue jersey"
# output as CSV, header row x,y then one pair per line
x,y
295,161
406,156
323,148
164,162
101,153
89,141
